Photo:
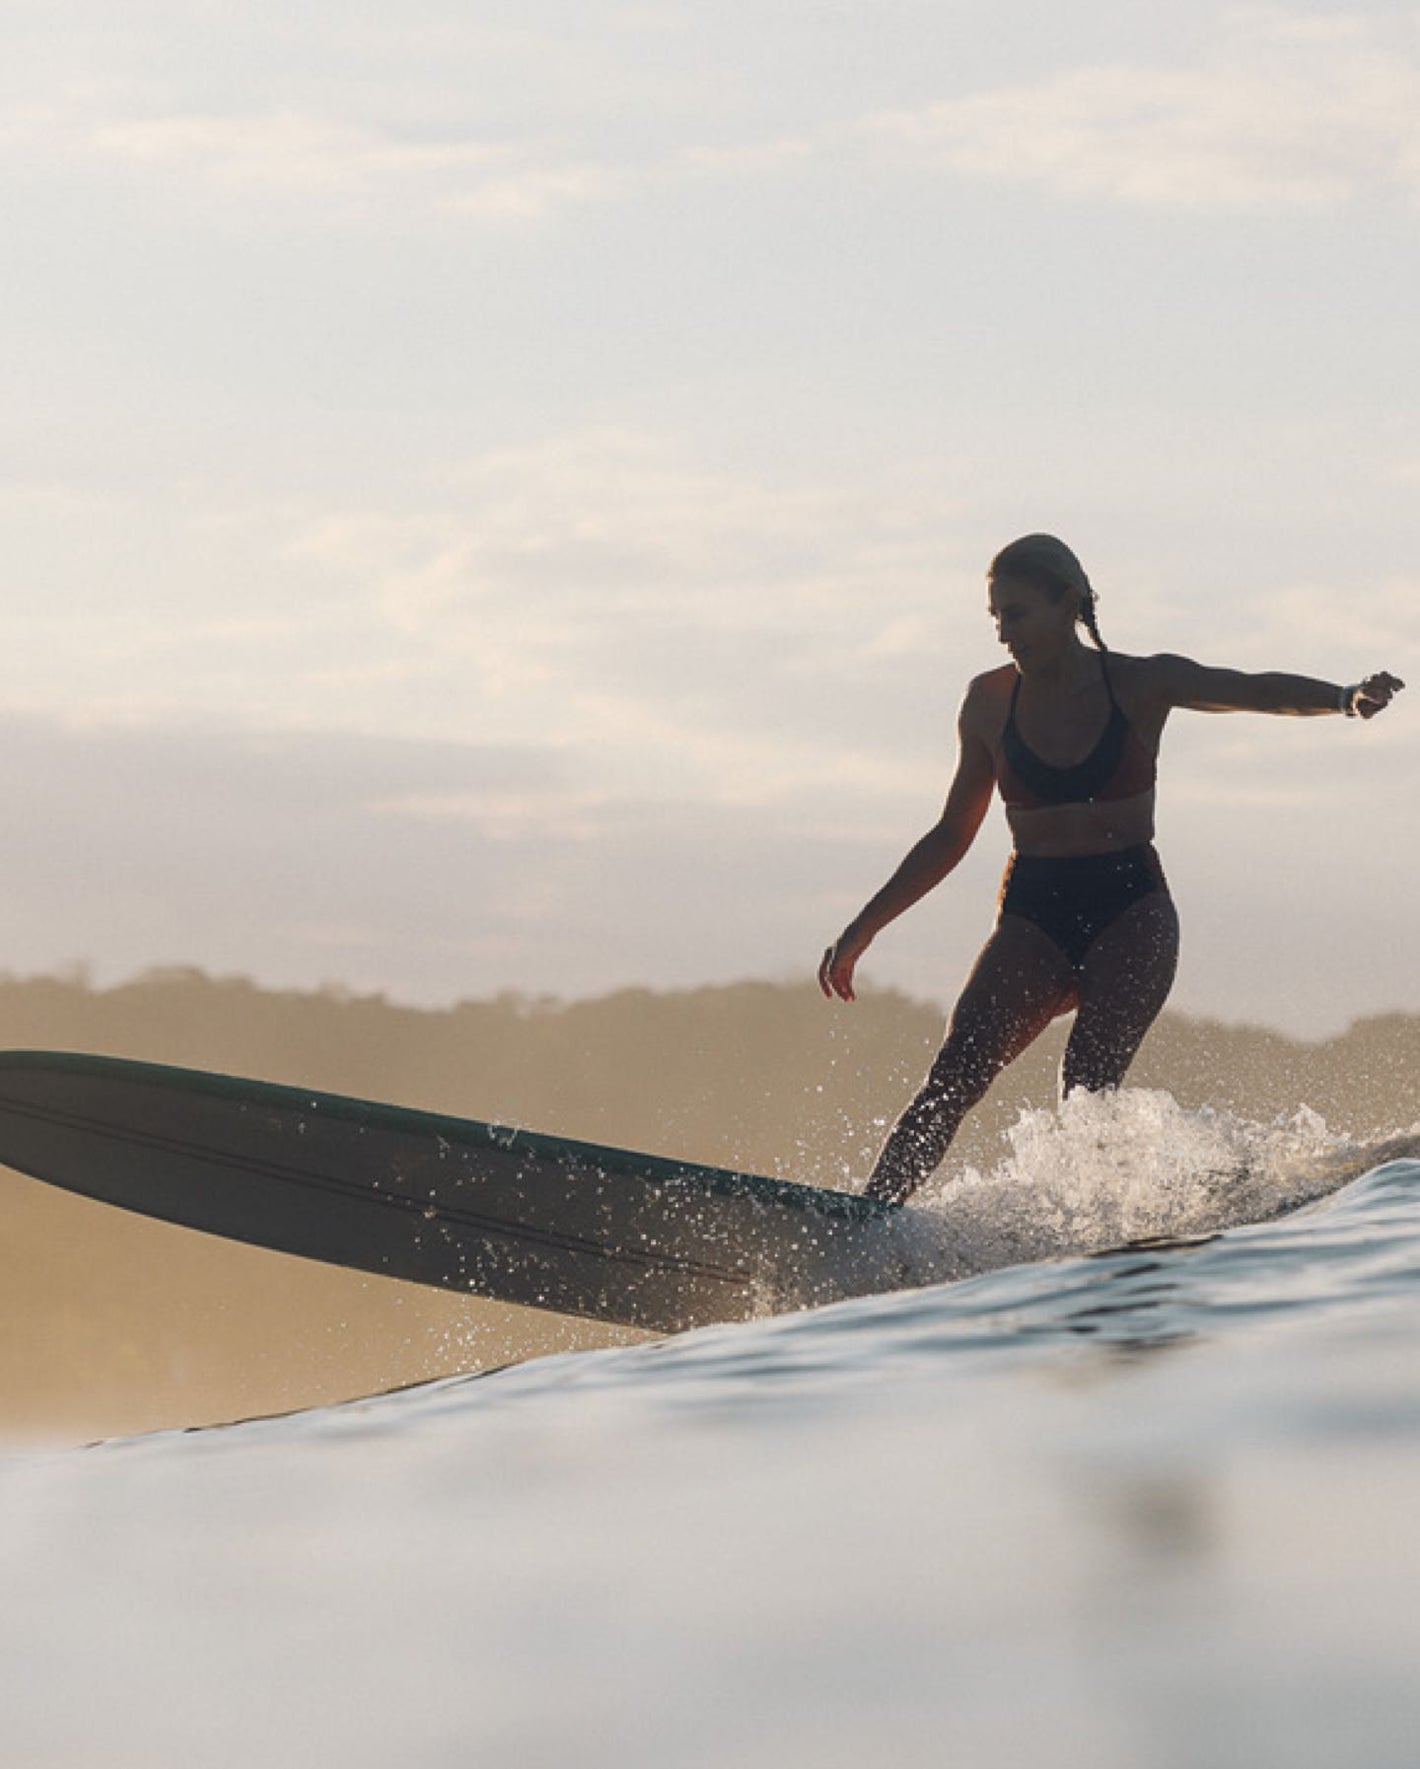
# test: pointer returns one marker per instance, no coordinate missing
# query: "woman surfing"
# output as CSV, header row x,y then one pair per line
x,y
1069,733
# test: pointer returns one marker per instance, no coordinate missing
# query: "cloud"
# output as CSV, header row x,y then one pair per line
x,y
696,632
1340,631
629,517
354,170
156,842
220,774
694,624
1289,112
433,870
746,160
1286,110
1384,619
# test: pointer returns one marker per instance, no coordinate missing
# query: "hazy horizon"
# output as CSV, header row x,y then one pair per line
x,y
83,975
498,498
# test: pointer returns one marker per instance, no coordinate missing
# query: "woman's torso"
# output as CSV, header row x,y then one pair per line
x,y
1076,764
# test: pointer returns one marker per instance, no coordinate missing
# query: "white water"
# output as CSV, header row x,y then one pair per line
x,y
1108,1169
1155,1506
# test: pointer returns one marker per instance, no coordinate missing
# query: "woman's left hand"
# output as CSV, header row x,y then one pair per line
x,y
1375,694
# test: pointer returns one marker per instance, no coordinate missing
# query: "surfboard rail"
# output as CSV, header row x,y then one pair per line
x,y
491,1209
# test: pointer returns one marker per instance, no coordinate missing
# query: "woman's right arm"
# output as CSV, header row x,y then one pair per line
x,y
1196,687
927,863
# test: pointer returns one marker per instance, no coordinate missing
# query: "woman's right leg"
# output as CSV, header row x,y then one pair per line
x,y
1020,983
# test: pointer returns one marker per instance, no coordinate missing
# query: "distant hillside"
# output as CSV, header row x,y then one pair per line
x,y
113,1323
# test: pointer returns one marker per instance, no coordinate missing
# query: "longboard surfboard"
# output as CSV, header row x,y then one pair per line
x,y
489,1209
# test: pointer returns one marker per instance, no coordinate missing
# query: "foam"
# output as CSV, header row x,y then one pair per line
x,y
1107,1169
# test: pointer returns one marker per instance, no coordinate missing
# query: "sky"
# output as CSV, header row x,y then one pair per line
x,y
496,496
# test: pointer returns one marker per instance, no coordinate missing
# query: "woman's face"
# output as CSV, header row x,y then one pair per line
x,y
1028,619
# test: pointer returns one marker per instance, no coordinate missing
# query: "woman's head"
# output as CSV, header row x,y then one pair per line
x,y
1047,565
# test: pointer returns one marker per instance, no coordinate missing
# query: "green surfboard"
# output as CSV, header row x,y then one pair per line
x,y
484,1208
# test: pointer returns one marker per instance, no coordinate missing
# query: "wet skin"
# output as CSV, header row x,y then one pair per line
x,y
1022,980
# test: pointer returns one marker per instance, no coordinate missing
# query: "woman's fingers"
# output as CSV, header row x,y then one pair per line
x,y
835,974
1375,693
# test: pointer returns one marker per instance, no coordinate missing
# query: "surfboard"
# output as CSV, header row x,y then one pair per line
x,y
490,1209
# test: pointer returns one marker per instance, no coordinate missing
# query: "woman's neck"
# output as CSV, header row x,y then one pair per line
x,y
1070,667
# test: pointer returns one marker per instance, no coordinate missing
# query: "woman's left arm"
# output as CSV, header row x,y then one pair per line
x,y
1181,682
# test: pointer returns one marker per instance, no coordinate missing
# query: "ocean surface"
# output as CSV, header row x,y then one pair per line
x,y
1077,1503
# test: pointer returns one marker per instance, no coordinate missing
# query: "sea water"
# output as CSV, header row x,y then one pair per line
x,y
1158,1504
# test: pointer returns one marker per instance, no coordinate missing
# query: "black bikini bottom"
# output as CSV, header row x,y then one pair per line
x,y
1074,900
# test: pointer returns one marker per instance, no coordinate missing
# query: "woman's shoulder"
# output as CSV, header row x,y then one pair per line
x,y
1143,688
988,692
1145,678
991,684
1124,663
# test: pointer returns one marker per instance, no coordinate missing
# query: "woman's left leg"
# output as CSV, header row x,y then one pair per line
x,y
1125,978
1021,982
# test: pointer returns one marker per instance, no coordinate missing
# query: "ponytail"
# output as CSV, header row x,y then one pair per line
x,y
1090,620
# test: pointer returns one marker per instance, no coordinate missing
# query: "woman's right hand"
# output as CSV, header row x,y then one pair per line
x,y
1374,695
835,973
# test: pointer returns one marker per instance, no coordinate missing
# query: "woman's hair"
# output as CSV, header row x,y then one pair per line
x,y
1049,564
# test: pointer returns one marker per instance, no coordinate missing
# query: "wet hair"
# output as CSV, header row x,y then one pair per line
x,y
1049,565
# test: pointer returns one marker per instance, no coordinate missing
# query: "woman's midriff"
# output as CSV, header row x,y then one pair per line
x,y
1058,832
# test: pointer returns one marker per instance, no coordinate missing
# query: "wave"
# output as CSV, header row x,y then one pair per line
x,y
1109,1170
1123,1221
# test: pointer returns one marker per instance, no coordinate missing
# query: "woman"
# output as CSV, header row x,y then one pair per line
x,y
1069,733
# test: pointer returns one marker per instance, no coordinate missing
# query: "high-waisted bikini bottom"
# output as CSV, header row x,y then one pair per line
x,y
1073,900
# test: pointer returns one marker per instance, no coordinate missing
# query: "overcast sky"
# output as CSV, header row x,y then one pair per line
x,y
496,495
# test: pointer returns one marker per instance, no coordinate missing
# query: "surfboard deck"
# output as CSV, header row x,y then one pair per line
x,y
490,1209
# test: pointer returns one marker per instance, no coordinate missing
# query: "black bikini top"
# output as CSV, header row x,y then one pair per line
x,y
1118,767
